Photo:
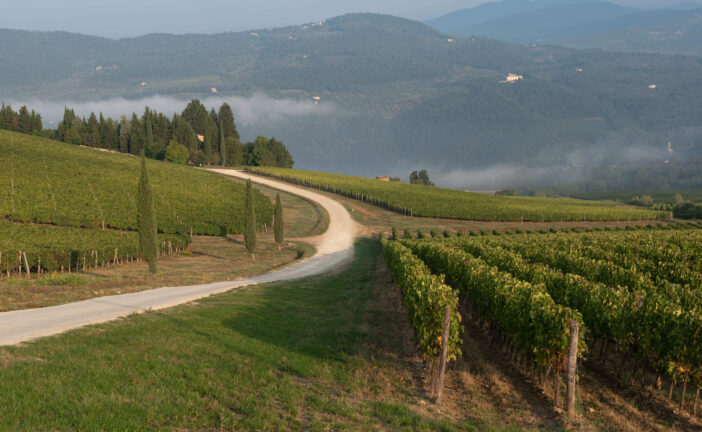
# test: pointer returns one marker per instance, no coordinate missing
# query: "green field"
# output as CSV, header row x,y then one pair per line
x,y
416,200
49,182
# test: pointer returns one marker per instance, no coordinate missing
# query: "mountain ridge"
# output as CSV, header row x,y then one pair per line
x,y
675,29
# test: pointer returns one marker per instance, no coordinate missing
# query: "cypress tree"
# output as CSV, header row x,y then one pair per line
x,y
149,137
208,145
222,147
226,122
250,231
146,219
278,228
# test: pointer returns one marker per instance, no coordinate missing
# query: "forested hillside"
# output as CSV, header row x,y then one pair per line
x,y
395,95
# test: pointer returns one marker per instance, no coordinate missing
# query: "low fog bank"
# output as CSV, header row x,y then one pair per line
x,y
572,168
257,111
579,165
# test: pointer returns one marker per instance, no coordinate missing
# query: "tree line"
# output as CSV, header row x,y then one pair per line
x,y
195,135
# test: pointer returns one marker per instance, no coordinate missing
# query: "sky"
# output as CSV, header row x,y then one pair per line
x,y
122,18
129,18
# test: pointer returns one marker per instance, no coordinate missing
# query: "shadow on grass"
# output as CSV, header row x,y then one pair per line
x,y
320,316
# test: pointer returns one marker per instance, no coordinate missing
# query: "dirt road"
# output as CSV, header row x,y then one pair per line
x,y
334,250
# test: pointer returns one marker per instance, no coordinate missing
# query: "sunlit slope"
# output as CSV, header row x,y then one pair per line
x,y
49,182
449,203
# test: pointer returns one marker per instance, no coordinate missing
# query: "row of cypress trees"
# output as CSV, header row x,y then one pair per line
x,y
146,220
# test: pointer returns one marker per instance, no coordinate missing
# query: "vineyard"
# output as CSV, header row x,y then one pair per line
x,y
636,296
427,201
49,182
26,248
64,206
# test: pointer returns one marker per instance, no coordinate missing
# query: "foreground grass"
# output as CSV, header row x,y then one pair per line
x,y
285,356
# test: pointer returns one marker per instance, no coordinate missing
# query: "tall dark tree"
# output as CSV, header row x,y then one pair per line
x,y
136,138
196,115
421,178
260,153
162,131
37,125
146,219
93,135
184,134
226,122
149,137
69,129
283,158
250,230
278,223
125,130
235,151
24,121
222,148
207,148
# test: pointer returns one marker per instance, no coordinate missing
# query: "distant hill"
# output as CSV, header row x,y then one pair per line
x,y
685,6
457,21
666,31
522,21
546,24
395,94
582,24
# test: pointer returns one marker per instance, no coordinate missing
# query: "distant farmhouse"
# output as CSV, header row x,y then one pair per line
x,y
511,78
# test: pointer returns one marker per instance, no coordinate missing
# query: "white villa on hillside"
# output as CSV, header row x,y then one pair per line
x,y
512,78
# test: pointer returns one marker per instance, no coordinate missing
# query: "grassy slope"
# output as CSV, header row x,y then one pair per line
x,y
450,203
276,357
50,182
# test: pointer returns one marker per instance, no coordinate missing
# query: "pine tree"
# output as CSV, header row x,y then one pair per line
x,y
125,131
149,137
146,219
93,138
226,121
222,148
278,223
208,145
250,231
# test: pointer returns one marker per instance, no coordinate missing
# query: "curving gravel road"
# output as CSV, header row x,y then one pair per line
x,y
334,250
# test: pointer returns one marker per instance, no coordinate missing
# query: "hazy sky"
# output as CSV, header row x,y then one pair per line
x,y
122,18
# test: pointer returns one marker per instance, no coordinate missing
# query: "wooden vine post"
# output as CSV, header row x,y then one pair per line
x,y
572,369
441,372
26,263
